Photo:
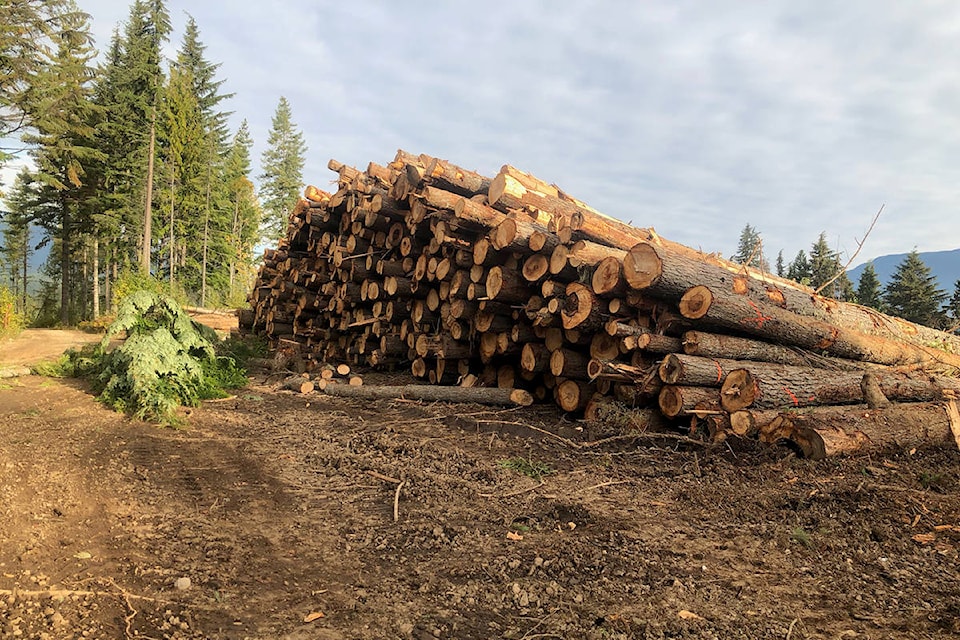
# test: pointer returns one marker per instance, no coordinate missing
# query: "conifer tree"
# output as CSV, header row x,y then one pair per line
x,y
212,242
245,209
799,269
184,158
750,249
868,288
129,88
912,292
27,28
953,308
282,178
64,113
826,271
781,268
22,204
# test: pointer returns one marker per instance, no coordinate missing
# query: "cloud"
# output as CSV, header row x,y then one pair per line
x,y
697,119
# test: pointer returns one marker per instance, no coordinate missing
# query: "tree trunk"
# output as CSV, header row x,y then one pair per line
x,y
148,214
96,276
678,401
770,386
715,345
65,236
780,325
427,393
830,431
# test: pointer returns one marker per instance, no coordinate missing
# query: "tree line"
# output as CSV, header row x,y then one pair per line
x,y
134,170
912,292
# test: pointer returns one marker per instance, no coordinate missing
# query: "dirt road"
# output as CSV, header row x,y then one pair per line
x,y
36,345
401,520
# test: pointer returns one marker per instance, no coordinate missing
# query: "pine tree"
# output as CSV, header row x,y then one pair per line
x,y
190,59
185,166
868,288
22,203
799,269
27,28
129,89
245,218
781,268
912,292
64,114
953,308
750,249
282,177
827,273
212,240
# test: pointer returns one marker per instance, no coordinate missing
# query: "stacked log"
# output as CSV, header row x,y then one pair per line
x,y
510,282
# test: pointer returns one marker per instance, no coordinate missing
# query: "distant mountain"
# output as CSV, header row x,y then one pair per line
x,y
944,265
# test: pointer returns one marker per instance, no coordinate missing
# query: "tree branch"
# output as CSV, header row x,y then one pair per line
x,y
860,244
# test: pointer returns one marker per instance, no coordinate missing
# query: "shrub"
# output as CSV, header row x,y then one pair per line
x,y
11,322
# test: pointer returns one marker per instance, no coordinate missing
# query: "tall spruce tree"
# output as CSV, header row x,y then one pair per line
x,y
184,168
27,30
781,267
64,115
212,241
826,271
799,269
869,292
912,292
750,249
245,210
132,84
282,178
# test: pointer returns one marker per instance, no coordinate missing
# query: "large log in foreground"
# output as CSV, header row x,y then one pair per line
x,y
832,431
515,290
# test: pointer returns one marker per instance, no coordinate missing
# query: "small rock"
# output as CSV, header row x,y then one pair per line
x,y
182,583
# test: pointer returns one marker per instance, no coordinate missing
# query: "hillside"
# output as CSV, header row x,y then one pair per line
x,y
945,266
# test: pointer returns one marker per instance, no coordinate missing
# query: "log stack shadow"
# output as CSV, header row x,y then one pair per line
x,y
509,282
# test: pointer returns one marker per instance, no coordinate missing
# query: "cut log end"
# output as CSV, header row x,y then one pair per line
x,y
696,302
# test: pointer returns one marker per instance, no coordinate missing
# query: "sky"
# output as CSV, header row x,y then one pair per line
x,y
695,118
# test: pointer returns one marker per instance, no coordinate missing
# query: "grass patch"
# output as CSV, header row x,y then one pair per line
x,y
529,468
802,536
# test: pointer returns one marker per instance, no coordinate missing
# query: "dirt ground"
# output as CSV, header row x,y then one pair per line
x,y
316,517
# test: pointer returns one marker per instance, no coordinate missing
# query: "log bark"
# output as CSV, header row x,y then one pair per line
x,y
668,271
713,345
831,431
687,370
429,393
776,324
770,386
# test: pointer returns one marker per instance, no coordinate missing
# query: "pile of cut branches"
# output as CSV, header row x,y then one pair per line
x,y
165,360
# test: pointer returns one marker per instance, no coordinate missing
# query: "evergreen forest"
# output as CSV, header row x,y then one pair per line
x,y
133,176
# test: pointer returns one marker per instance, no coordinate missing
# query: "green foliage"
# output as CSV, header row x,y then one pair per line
x,y
824,267
11,322
166,360
912,292
799,269
282,177
868,288
802,536
532,469
953,307
750,249
781,267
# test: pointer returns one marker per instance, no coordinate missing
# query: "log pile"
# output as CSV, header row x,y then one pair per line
x,y
509,282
